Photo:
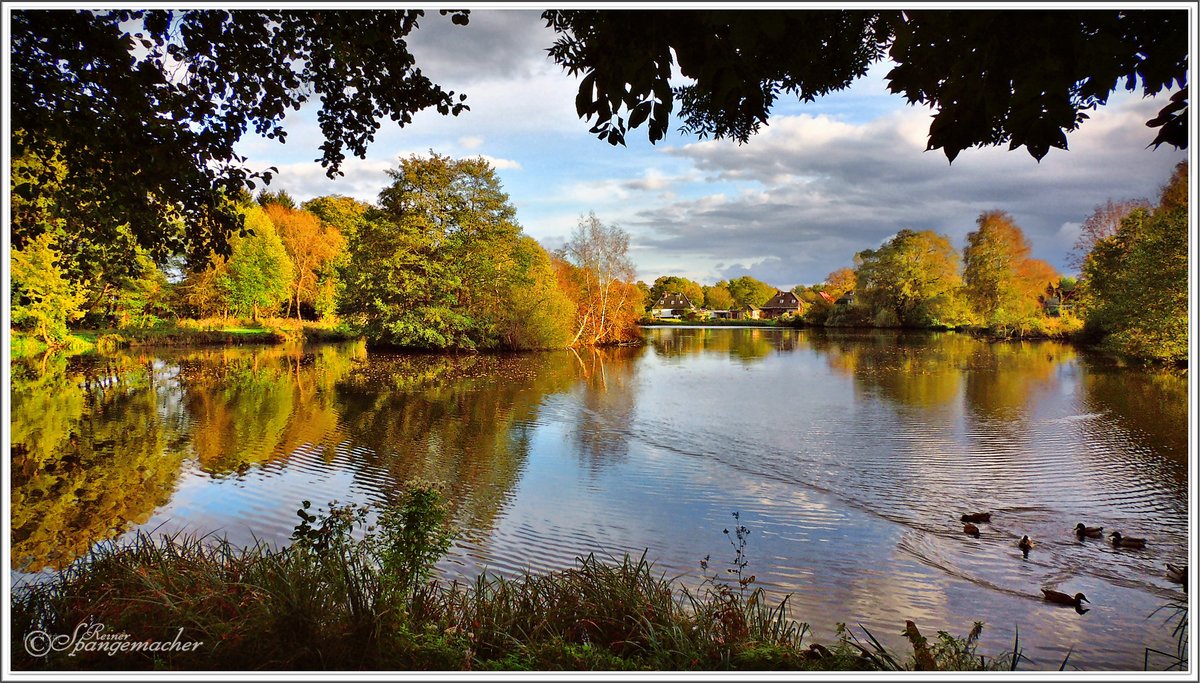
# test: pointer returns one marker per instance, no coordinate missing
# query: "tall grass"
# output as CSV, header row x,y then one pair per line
x,y
345,595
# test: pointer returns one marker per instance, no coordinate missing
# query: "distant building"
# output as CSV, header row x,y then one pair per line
x,y
846,299
747,312
781,303
672,305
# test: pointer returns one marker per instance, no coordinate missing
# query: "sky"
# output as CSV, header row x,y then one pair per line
x,y
822,181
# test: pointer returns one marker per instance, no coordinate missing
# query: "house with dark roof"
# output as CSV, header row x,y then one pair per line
x,y
672,305
782,303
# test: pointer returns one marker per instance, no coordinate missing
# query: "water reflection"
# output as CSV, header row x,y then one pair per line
x,y
850,454
607,403
747,345
89,456
463,420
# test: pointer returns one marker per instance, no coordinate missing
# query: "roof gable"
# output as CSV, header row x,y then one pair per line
x,y
781,299
674,300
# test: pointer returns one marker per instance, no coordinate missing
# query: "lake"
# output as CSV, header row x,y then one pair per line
x,y
848,455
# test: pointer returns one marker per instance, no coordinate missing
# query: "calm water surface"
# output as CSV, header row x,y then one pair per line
x,y
849,456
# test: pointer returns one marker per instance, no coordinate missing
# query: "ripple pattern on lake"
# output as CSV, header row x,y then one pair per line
x,y
849,457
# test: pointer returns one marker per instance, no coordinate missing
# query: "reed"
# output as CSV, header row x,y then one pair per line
x,y
345,595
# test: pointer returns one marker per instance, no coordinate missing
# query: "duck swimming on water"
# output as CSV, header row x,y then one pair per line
x,y
1088,531
977,517
1120,541
1064,598
1177,573
1025,545
971,529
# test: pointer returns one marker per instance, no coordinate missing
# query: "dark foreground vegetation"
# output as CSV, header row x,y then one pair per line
x,y
352,593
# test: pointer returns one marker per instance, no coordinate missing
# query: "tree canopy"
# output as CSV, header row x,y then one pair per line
x,y
1004,282
913,279
1135,280
1019,77
671,284
145,107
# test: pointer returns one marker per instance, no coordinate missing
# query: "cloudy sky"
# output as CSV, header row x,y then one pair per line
x,y
823,181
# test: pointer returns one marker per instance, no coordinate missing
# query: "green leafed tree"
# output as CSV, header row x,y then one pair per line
x,y
1024,78
718,298
266,198
668,284
258,275
433,267
537,314
141,298
749,291
344,213
43,299
146,106
1135,282
912,280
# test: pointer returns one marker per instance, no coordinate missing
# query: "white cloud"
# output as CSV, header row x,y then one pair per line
x,y
470,142
501,164
814,190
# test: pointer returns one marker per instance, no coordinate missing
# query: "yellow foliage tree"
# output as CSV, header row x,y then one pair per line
x,y
43,300
312,246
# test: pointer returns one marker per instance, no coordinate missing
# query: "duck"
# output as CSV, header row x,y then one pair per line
x,y
1177,573
977,517
1088,531
971,529
1120,541
1064,598
1025,544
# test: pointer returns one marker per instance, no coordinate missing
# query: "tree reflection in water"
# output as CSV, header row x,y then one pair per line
x,y
90,455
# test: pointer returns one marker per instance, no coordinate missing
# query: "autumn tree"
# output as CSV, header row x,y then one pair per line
x,y
1003,281
312,246
913,279
1135,282
595,268
43,299
258,274
839,282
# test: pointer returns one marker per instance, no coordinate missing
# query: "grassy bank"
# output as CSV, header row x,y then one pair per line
x,y
209,332
345,596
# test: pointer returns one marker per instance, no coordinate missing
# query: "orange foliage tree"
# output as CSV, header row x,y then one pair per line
x,y
1003,282
312,246
595,271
